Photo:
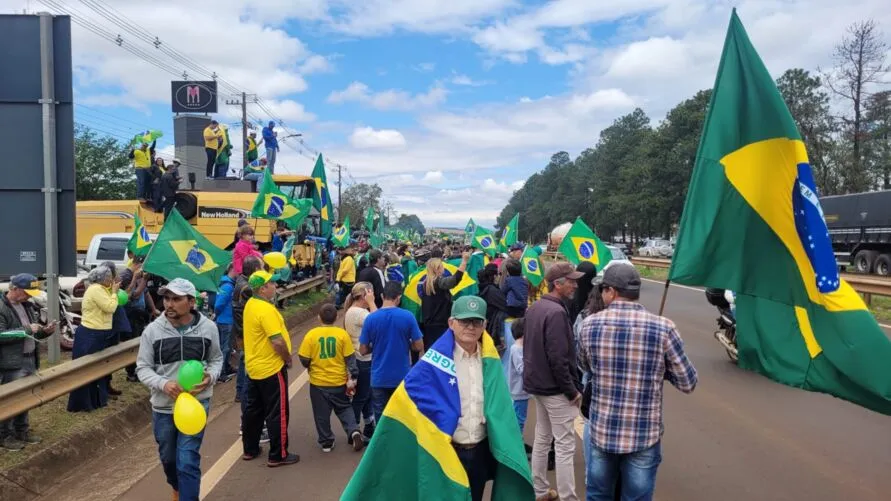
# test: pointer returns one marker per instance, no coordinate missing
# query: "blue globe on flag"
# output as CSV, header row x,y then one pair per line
x,y
486,242
276,206
196,258
144,234
586,250
532,266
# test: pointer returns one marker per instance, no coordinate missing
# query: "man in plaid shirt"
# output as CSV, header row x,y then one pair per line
x,y
629,352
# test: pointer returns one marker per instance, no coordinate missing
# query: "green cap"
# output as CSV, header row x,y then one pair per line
x,y
259,278
469,307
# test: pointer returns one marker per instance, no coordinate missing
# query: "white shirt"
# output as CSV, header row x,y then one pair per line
x,y
472,423
382,275
353,321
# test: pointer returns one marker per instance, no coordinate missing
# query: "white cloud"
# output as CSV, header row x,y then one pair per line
x,y
433,177
461,79
501,188
425,67
392,99
367,137
316,64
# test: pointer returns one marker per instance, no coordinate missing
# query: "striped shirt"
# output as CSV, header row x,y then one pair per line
x,y
629,352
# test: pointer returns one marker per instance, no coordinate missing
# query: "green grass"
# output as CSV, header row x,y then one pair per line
x,y
302,302
653,273
881,308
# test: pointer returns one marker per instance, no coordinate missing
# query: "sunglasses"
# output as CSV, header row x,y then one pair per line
x,y
471,322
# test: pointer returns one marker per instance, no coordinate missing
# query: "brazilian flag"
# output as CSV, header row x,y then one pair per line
x,y
414,290
341,237
581,244
271,203
182,252
532,267
140,241
752,223
411,456
483,240
321,196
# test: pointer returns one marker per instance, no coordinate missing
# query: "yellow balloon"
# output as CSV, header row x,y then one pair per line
x,y
276,260
189,415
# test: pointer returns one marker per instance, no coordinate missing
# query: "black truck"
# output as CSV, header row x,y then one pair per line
x,y
860,229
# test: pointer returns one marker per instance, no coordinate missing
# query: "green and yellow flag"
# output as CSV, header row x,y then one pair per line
x,y
470,227
271,203
484,240
181,252
532,267
140,241
321,197
581,244
509,237
411,456
752,223
341,237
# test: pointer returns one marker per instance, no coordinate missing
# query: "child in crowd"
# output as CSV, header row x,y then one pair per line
x,y
327,353
516,289
515,372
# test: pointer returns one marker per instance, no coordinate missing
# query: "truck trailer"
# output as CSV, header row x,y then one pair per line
x,y
860,230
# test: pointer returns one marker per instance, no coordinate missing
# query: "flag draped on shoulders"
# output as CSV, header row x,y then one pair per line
x,y
182,252
752,223
414,290
271,203
581,244
140,241
321,196
411,456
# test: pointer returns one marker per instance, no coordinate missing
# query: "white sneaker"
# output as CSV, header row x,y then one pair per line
x,y
264,437
328,449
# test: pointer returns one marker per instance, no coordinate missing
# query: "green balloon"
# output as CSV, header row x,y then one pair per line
x,y
190,374
123,298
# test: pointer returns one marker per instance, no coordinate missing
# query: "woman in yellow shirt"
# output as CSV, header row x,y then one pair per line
x,y
97,310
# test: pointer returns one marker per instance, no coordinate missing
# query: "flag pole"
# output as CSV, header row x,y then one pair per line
x,y
664,297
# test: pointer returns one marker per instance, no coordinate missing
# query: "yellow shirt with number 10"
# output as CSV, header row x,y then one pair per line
x,y
327,347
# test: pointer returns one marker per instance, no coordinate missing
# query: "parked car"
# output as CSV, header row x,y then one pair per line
x,y
619,259
656,248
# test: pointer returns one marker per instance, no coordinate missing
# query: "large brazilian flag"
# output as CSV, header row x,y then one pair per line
x,y
414,290
180,251
753,223
411,457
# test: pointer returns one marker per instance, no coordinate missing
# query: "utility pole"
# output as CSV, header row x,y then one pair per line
x,y
244,123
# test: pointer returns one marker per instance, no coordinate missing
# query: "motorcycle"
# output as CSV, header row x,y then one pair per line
x,y
726,333
68,320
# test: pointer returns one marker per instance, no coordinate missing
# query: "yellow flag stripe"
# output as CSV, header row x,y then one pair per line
x,y
804,323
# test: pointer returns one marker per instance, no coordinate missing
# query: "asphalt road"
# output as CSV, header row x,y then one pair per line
x,y
739,436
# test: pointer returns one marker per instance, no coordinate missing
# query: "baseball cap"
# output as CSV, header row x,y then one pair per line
x,y
469,307
179,287
517,246
259,279
27,283
177,161
621,277
562,270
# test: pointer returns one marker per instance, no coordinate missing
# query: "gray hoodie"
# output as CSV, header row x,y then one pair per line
x,y
163,349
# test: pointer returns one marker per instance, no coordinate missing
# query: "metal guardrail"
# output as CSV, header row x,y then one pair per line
x,y
864,284
33,391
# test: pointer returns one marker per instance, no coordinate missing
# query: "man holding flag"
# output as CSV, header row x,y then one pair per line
x,y
454,406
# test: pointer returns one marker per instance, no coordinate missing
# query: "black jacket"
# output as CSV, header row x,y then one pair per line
x,y
496,312
549,354
11,356
436,309
240,295
170,183
369,274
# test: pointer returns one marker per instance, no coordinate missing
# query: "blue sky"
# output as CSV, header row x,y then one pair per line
x,y
449,106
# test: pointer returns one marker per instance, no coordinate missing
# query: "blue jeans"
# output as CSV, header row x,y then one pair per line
x,y
521,407
637,471
180,455
379,399
143,184
270,160
362,406
225,346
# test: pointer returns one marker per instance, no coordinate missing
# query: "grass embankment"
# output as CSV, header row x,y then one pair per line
x,y
53,423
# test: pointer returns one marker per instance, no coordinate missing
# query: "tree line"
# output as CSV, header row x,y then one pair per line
x,y
633,182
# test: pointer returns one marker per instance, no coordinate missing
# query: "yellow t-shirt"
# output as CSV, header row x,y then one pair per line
x,y
142,159
212,138
262,321
327,347
97,307
347,271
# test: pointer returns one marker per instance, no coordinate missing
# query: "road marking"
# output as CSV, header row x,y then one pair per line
x,y
219,469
